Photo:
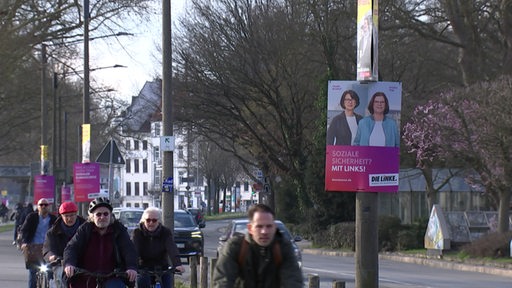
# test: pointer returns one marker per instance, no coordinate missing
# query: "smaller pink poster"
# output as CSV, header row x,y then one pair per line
x,y
44,187
65,192
86,180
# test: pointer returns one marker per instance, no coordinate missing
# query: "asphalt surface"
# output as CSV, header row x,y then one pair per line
x,y
13,273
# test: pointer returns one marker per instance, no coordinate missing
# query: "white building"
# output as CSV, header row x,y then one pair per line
x,y
141,178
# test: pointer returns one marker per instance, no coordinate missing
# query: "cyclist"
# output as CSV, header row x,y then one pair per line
x,y
100,245
155,246
33,233
58,236
269,260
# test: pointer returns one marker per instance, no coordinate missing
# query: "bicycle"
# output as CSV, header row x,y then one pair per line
x,y
156,274
43,274
100,278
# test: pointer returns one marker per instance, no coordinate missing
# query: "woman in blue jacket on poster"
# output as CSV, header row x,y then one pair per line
x,y
378,129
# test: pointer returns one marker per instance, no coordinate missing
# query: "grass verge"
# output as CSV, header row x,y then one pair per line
x,y
7,227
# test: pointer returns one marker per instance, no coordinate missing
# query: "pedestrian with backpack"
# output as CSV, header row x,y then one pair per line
x,y
262,258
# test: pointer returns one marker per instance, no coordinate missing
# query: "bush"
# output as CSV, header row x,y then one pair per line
x,y
389,227
337,236
493,245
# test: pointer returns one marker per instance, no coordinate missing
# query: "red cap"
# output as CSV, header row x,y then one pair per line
x,y
67,207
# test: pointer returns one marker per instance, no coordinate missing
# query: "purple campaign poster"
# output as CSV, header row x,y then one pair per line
x,y
87,181
363,136
44,186
65,192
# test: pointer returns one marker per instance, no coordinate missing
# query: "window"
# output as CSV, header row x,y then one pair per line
x,y
128,165
158,178
156,129
137,205
145,188
144,144
135,144
128,189
127,144
144,165
180,153
137,189
135,165
156,153
246,186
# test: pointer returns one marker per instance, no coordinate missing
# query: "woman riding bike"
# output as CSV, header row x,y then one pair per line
x,y
155,245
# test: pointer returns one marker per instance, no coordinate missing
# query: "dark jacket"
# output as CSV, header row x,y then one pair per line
x,y
155,248
338,132
267,274
28,230
56,240
125,254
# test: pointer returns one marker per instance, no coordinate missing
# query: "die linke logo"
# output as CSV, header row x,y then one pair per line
x,y
383,179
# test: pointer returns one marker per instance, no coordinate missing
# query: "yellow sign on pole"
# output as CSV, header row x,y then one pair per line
x,y
44,159
86,143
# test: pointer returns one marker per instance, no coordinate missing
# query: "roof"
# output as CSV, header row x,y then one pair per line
x,y
144,107
445,179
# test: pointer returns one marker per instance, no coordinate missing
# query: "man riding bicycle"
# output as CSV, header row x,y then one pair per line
x,y
101,245
58,236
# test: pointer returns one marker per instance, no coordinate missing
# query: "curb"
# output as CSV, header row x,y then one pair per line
x,y
444,264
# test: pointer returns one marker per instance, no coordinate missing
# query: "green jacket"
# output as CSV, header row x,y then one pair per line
x,y
228,273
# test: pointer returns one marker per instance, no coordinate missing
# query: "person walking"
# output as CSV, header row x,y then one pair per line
x,y
155,246
100,245
58,237
33,233
267,259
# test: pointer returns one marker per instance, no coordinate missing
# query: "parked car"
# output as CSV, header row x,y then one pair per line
x,y
187,235
198,216
239,226
130,217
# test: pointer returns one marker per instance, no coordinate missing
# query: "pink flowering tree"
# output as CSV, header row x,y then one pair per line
x,y
471,126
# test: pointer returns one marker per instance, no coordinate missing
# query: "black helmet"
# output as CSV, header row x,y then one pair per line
x,y
99,202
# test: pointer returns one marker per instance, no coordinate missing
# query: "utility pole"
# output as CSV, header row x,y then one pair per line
x,y
167,157
85,101
44,114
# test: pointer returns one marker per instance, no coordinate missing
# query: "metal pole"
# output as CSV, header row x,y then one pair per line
x,y
167,160
86,95
44,112
56,194
85,102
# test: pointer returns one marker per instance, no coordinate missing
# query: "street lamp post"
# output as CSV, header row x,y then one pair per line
x,y
85,102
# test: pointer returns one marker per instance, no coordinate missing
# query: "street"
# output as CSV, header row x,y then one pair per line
x,y
392,274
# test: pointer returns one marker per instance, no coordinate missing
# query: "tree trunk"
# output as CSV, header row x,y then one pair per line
x,y
430,191
506,13
504,211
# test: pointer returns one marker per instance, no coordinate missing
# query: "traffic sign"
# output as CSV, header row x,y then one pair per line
x,y
166,143
167,185
110,153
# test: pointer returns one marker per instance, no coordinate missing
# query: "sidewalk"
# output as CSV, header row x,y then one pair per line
x,y
487,268
13,273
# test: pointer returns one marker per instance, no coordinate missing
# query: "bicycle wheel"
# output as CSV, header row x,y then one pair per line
x,y
42,280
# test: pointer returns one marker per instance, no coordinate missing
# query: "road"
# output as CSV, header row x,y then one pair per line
x,y
392,274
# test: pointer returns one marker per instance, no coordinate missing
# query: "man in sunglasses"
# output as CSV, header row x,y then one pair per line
x,y
101,245
33,233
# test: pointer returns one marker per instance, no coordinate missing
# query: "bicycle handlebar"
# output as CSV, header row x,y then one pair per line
x,y
159,271
99,275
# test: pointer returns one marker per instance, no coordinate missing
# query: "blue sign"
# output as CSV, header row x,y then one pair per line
x,y
167,186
